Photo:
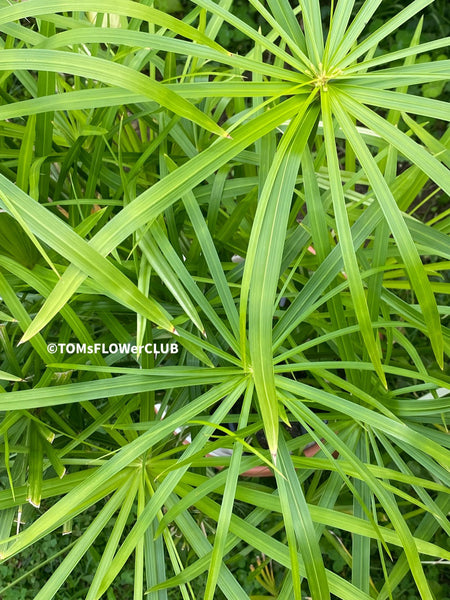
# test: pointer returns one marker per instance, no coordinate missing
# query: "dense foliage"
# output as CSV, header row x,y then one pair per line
x,y
258,199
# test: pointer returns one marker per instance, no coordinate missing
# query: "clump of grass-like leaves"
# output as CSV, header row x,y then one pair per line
x,y
139,160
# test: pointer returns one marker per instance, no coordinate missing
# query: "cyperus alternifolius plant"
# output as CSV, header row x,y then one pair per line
x,y
279,215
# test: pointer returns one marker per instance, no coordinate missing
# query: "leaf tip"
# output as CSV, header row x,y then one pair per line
x,y
274,457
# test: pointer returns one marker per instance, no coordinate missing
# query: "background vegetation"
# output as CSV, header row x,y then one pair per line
x,y
144,149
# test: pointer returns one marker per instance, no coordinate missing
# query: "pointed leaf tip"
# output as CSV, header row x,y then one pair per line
x,y
274,457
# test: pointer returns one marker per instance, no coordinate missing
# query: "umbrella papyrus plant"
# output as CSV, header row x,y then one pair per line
x,y
266,213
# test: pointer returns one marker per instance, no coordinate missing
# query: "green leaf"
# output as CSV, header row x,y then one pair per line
x,y
8,377
346,241
62,238
35,458
227,504
264,262
402,236
153,201
293,501
398,101
127,8
373,39
98,69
